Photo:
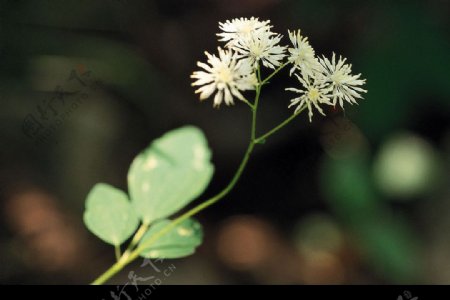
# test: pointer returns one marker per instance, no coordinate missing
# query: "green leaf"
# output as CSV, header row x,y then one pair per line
x,y
174,170
109,215
178,242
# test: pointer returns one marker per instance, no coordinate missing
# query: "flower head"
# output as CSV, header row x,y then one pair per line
x,y
253,40
302,55
225,74
261,46
242,27
315,91
345,86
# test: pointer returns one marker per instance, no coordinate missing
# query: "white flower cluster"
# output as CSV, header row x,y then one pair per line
x,y
227,75
250,44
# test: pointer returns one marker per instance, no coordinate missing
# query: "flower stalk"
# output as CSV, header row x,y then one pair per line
x,y
250,45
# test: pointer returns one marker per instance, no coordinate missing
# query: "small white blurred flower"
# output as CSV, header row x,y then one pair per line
x,y
225,74
345,86
241,28
302,56
261,46
315,91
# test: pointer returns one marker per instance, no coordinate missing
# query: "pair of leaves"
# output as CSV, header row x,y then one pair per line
x,y
173,171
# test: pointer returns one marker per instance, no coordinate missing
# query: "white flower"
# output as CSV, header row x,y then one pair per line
x,y
261,46
315,91
227,75
345,86
302,56
253,40
238,28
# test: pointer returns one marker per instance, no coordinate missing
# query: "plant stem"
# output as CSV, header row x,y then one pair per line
x,y
130,254
117,252
136,239
248,103
273,73
114,269
126,259
281,125
256,103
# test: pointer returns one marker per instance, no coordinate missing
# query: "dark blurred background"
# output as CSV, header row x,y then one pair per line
x,y
355,197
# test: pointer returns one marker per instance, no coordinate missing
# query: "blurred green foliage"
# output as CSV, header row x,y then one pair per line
x,y
386,239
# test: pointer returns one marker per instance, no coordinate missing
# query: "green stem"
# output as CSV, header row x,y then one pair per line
x,y
117,252
114,269
136,239
248,103
254,111
281,125
274,73
130,254
126,259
